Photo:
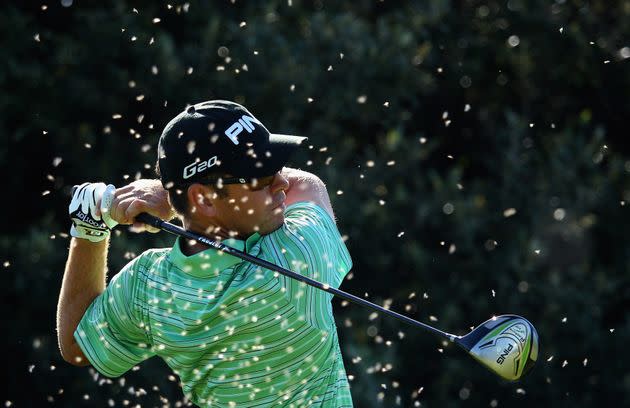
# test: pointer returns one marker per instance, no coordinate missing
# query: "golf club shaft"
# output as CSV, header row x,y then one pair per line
x,y
174,229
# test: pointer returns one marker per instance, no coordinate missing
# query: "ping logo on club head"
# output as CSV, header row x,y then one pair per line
x,y
505,353
506,348
244,123
199,166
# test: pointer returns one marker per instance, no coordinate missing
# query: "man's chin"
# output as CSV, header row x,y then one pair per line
x,y
273,226
279,209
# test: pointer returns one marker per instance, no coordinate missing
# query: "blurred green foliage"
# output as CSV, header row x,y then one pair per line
x,y
475,152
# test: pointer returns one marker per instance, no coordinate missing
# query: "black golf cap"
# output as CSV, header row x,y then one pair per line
x,y
218,139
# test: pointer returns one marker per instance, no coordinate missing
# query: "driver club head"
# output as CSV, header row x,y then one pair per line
x,y
507,345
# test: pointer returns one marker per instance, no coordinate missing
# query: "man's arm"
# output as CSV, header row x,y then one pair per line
x,y
83,281
86,267
305,186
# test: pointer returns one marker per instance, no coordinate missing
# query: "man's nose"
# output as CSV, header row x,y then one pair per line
x,y
280,183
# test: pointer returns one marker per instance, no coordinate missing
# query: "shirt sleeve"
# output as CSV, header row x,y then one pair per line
x,y
111,332
310,244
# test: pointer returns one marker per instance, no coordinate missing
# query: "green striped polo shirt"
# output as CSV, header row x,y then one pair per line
x,y
236,334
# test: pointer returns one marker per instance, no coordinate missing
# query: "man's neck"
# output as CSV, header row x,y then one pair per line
x,y
190,247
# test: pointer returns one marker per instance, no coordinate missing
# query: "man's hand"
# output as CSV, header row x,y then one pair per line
x,y
89,211
141,196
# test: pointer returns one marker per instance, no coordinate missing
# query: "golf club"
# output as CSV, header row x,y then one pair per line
x,y
507,345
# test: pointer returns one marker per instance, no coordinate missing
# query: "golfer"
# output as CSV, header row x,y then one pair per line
x,y
236,334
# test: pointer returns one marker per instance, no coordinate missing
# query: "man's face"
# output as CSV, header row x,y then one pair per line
x,y
253,207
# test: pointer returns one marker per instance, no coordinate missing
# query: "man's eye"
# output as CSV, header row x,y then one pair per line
x,y
259,184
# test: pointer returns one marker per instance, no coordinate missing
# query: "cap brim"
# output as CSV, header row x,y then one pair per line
x,y
290,140
278,152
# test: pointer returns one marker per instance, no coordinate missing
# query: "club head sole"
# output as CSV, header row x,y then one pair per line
x,y
507,345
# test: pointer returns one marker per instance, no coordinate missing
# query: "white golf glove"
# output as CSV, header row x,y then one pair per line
x,y
89,211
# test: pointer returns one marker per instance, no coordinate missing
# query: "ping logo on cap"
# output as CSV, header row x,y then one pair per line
x,y
245,122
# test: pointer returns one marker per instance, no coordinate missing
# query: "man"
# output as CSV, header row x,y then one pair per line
x,y
235,334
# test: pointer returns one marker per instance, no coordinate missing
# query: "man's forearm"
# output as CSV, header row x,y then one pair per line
x,y
83,281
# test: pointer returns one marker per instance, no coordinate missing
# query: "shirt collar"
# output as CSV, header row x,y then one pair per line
x,y
210,262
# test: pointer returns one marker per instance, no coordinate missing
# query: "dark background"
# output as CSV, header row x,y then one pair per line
x,y
475,152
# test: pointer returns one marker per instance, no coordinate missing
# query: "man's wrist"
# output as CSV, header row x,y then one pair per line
x,y
81,241
89,233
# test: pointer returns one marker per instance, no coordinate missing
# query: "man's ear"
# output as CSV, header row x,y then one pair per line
x,y
202,199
